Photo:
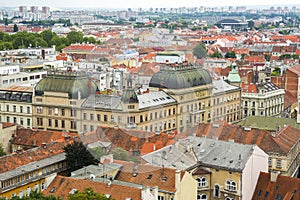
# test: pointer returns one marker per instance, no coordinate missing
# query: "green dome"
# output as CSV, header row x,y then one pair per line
x,y
70,83
129,96
180,77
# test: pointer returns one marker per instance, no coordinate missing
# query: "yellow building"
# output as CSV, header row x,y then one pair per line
x,y
30,170
58,98
179,98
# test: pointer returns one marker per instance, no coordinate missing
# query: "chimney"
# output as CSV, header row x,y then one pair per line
x,y
177,179
274,175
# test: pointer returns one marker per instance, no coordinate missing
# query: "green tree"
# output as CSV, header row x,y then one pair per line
x,y
88,194
216,55
16,29
75,37
47,36
120,154
276,72
77,156
2,152
267,57
230,55
89,40
200,51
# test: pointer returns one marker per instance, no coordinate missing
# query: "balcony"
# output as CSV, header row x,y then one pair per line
x,y
131,125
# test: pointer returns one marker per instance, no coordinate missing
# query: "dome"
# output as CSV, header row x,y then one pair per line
x,y
129,96
180,78
67,82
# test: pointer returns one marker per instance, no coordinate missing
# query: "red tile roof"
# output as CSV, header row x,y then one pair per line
x,y
280,144
295,69
35,138
143,174
123,138
249,88
15,160
61,187
285,187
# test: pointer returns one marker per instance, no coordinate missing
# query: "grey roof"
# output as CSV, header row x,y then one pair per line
x,y
220,86
107,102
97,170
151,99
33,166
172,156
220,154
208,152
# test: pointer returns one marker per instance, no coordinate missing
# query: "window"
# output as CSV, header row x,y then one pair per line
x,y
15,108
160,197
43,186
84,116
40,121
270,162
230,185
21,121
63,123
201,196
56,123
49,122
229,198
7,119
105,118
21,194
39,109
28,110
7,108
55,111
246,103
28,121
73,113
21,109
98,117
91,128
217,191
28,190
278,163
91,116
73,124
202,182
62,112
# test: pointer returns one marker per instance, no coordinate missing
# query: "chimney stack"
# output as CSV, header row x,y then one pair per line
x,y
273,176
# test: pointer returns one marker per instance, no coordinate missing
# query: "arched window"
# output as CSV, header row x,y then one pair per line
x,y
202,182
217,191
230,185
201,197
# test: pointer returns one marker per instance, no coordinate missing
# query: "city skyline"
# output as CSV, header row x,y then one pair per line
x,y
144,3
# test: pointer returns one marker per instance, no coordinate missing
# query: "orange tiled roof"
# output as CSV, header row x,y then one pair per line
x,y
254,59
143,172
249,88
34,138
284,186
63,185
262,138
287,137
123,138
295,69
7,124
13,161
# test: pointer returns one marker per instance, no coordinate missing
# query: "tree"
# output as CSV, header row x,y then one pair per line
x,y
88,194
216,55
200,51
230,55
16,29
35,195
47,36
2,152
77,156
75,37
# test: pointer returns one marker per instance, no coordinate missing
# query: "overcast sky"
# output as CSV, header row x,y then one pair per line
x,y
143,3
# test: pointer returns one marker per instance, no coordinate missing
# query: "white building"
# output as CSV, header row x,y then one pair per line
x,y
265,99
